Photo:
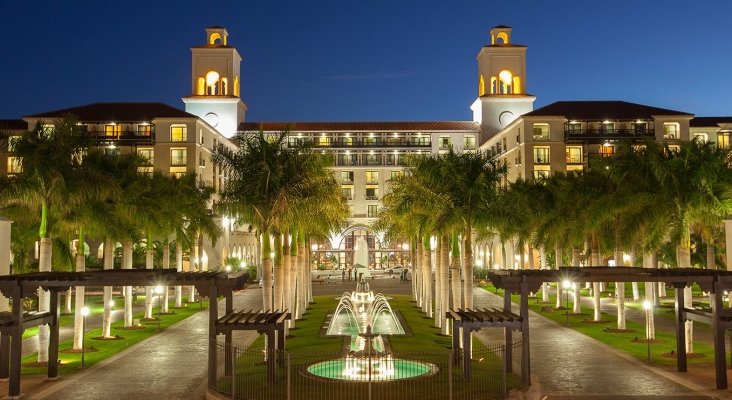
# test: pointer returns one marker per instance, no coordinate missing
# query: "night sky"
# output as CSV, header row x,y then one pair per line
x,y
372,60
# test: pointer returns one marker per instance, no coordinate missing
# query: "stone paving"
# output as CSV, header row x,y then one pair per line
x,y
566,365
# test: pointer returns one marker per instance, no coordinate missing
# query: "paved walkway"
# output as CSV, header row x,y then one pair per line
x,y
569,365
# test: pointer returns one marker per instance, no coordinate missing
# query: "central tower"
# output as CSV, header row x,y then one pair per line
x,y
501,83
215,83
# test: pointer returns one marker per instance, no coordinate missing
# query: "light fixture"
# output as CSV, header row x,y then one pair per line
x,y
84,311
505,76
111,303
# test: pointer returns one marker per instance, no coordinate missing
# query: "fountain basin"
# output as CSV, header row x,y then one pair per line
x,y
382,369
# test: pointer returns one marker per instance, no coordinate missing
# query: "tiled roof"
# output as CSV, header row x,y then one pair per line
x,y
709,121
118,112
13,125
422,126
600,110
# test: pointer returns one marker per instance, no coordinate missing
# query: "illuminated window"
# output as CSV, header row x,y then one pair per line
x,y
347,193
369,140
237,90
670,130
372,159
540,174
215,38
111,151
469,142
372,211
574,128
178,133
15,165
178,157
541,131
372,177
144,130
541,155
481,86
606,150
674,148
147,154
505,78
702,137
723,140
372,194
574,154
112,130
12,140
346,176
444,142
324,141
213,86
396,174
200,86
607,127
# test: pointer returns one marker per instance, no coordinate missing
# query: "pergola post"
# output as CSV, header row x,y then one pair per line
x,y
280,328
455,342
4,354
213,315
4,256
680,332
728,240
229,350
53,339
525,348
271,339
16,343
508,334
467,364
718,329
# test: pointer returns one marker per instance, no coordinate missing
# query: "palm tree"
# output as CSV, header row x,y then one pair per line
x,y
50,158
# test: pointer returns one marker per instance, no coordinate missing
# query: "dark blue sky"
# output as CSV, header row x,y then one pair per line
x,y
365,60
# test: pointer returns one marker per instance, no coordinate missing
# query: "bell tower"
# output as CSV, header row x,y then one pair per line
x,y
215,83
502,93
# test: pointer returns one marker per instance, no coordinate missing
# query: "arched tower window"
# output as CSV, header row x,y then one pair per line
x,y
481,86
236,86
502,38
215,38
506,81
224,86
516,85
494,85
200,86
212,83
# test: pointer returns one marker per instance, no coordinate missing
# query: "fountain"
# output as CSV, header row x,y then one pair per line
x,y
365,317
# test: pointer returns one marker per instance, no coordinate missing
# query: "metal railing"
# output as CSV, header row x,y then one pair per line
x,y
242,374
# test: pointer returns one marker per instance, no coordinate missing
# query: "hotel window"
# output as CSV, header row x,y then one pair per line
x,y
372,177
469,142
147,154
15,165
178,157
607,127
372,211
505,145
12,140
372,194
723,140
396,174
111,151
347,193
540,174
701,137
347,159
574,154
541,131
144,130
574,128
369,140
324,141
112,130
178,133
346,176
670,130
606,150
347,141
541,155
674,148
422,140
639,128
444,142
372,159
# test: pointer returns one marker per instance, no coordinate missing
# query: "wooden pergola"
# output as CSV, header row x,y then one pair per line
x,y
467,321
715,282
270,323
17,287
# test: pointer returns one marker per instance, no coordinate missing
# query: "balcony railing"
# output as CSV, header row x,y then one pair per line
x,y
372,197
360,142
122,138
600,134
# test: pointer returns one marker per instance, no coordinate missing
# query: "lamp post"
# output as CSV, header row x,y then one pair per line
x,y
84,313
159,293
648,306
566,284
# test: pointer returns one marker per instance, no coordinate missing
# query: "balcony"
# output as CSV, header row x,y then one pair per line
x,y
599,135
347,143
125,138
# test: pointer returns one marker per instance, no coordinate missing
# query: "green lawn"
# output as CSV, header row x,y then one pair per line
x,y
664,343
95,304
103,349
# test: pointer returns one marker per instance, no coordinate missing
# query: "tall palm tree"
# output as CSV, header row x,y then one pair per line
x,y
51,156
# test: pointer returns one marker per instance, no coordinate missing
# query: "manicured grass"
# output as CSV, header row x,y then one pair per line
x,y
660,349
305,346
95,304
71,362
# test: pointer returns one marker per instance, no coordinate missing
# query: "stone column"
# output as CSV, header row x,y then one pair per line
x,y
4,256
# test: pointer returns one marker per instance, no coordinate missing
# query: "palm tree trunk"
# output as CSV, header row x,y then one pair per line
x,y
439,311
279,278
286,261
179,268
711,261
108,265
427,276
149,260
267,302
684,260
44,299
620,292
127,264
576,305
444,281
301,276
166,265
468,268
80,299
544,285
197,265
595,259
292,277
455,273
69,301
418,271
557,264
